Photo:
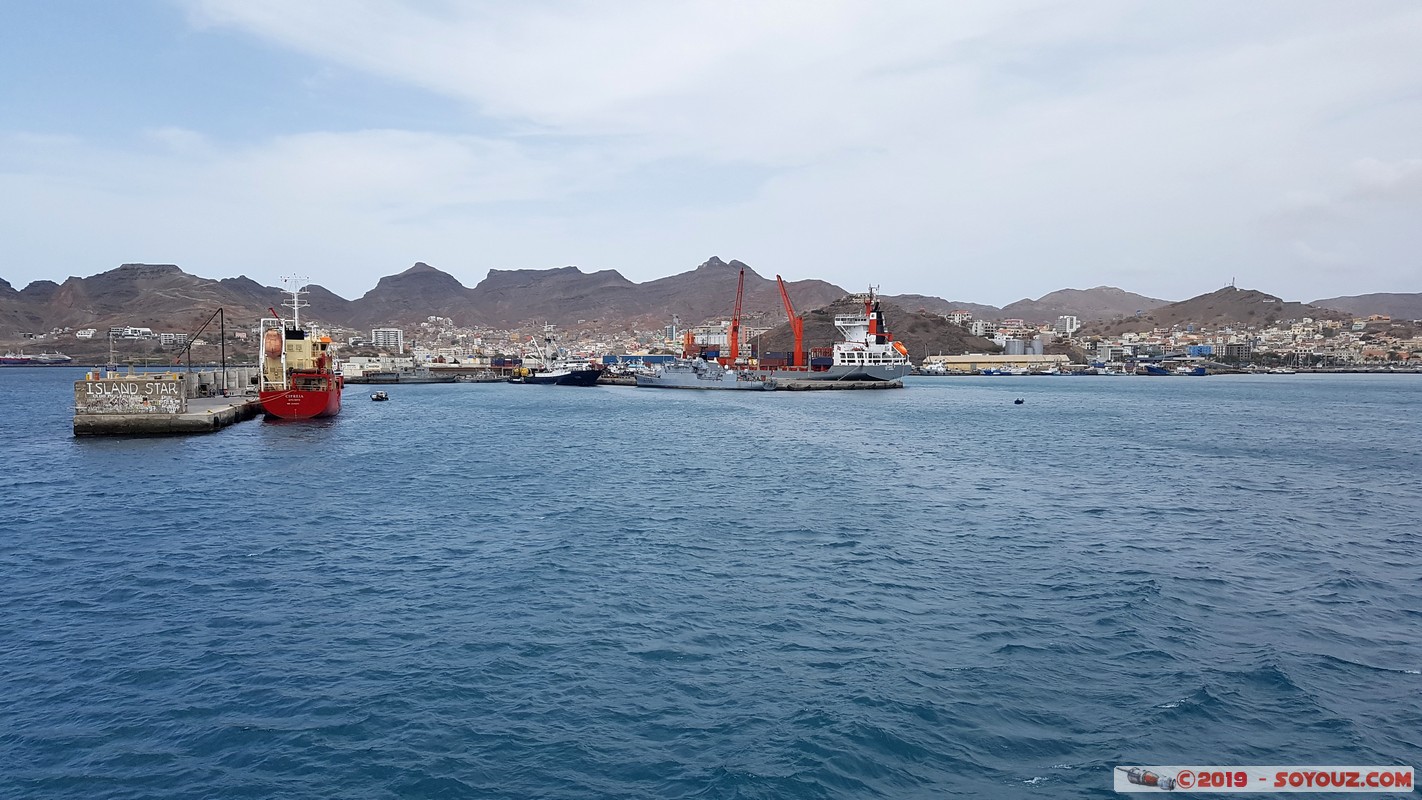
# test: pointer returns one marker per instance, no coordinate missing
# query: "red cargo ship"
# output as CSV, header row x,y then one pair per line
x,y
300,377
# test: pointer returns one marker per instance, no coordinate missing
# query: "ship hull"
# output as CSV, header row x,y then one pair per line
x,y
580,377
651,382
699,373
407,378
576,377
303,403
847,372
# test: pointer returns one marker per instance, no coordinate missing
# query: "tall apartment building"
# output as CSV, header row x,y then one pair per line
x,y
388,338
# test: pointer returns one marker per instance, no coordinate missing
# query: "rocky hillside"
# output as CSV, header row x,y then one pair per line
x,y
1103,302
159,296
937,305
1232,307
411,296
163,297
15,314
567,296
923,333
1399,306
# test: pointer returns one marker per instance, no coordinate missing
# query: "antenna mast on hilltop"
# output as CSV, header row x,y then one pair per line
x,y
297,284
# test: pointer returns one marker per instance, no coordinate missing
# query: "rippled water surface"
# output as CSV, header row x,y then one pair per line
x,y
525,591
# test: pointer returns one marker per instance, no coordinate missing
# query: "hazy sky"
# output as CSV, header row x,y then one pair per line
x,y
979,151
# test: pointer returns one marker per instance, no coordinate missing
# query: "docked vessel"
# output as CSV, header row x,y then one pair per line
x,y
561,373
41,360
416,375
556,371
868,351
698,373
299,375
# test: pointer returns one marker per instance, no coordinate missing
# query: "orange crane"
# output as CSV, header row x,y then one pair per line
x,y
797,325
735,332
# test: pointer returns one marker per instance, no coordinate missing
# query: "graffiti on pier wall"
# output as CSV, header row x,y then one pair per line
x,y
129,396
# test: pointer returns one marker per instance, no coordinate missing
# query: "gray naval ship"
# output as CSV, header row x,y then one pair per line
x,y
699,373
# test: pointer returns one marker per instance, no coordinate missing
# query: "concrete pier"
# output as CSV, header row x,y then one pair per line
x,y
163,403
810,386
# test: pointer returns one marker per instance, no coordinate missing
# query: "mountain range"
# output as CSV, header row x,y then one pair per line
x,y
164,297
1222,307
1103,302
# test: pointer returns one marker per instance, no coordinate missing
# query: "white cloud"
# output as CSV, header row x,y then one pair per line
x,y
981,151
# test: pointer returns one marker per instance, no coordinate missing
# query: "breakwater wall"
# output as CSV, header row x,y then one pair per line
x,y
107,403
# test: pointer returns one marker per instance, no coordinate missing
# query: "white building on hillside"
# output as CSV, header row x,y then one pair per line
x,y
389,338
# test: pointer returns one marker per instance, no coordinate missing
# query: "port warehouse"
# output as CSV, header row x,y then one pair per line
x,y
980,361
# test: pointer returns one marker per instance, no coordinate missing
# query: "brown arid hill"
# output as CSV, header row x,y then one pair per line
x,y
1227,307
411,296
921,332
15,314
563,296
937,305
325,306
158,296
163,297
1103,302
708,293
1399,306
567,297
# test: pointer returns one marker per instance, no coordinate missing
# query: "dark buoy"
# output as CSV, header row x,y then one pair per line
x,y
1017,402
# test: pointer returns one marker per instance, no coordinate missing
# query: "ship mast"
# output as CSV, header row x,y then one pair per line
x,y
297,284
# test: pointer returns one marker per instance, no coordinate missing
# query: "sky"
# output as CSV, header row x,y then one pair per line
x,y
976,151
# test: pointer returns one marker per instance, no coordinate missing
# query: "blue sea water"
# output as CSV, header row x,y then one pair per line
x,y
501,591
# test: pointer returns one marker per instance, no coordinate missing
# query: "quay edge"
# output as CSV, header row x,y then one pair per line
x,y
162,403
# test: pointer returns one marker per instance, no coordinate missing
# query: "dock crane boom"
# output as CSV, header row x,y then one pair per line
x,y
797,325
735,337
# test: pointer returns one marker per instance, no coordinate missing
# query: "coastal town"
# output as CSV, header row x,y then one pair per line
x,y
1376,342
423,318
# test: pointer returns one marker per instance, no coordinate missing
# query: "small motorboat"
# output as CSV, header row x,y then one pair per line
x,y
380,396
1017,402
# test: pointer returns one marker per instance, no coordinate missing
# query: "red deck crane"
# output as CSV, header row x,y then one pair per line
x,y
735,332
797,325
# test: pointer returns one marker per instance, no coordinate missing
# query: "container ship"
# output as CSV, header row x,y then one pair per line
x,y
299,376
868,351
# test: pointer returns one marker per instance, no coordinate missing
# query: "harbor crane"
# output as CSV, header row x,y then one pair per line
x,y
734,339
797,325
